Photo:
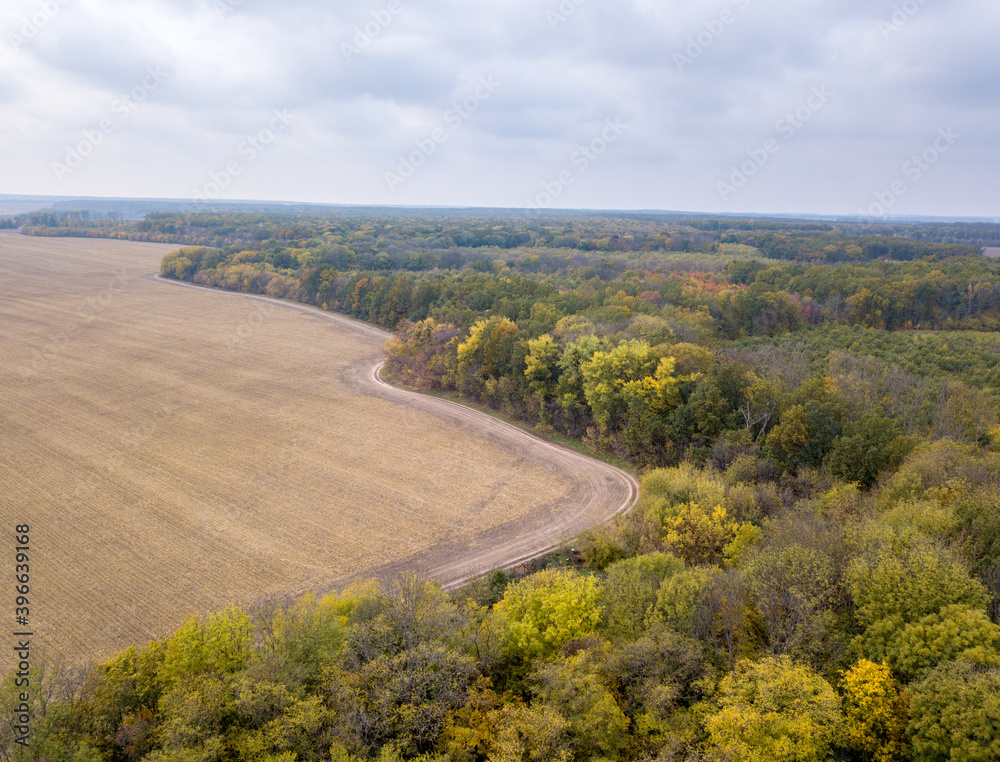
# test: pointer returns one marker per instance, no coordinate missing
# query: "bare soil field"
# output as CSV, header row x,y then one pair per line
x,y
175,450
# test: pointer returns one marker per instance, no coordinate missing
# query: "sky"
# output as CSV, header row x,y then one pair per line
x,y
854,107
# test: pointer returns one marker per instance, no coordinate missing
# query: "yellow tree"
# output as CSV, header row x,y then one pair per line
x,y
874,713
542,368
606,375
774,711
700,536
487,350
546,610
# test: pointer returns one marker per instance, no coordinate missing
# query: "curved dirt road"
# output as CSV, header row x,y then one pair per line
x,y
600,490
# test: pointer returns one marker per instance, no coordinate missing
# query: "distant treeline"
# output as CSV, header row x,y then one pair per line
x,y
634,360
780,239
615,329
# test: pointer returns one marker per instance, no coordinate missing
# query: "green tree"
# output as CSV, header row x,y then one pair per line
x,y
774,711
954,632
631,590
542,612
177,266
680,597
867,448
806,432
897,582
194,715
606,375
788,440
794,587
964,413
542,367
219,645
381,624
488,352
577,353
296,640
708,604
711,409
127,686
536,733
658,679
955,713
404,698
595,724
868,309
761,311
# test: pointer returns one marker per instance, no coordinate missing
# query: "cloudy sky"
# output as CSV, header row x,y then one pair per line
x,y
816,106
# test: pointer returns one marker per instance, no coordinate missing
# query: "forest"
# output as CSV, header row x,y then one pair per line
x,y
812,571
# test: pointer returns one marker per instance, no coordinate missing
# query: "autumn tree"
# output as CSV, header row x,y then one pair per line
x,y
542,612
794,588
542,368
917,604
610,378
595,724
875,714
955,713
489,354
774,711
631,590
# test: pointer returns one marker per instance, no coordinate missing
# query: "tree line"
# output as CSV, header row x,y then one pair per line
x,y
625,232
646,365
737,613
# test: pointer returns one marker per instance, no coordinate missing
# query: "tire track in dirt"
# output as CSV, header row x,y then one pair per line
x,y
600,490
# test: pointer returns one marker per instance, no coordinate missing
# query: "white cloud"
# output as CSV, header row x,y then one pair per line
x,y
232,63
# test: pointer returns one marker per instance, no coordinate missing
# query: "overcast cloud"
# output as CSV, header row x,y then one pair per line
x,y
817,106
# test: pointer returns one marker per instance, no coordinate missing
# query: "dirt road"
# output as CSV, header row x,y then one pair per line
x,y
601,491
